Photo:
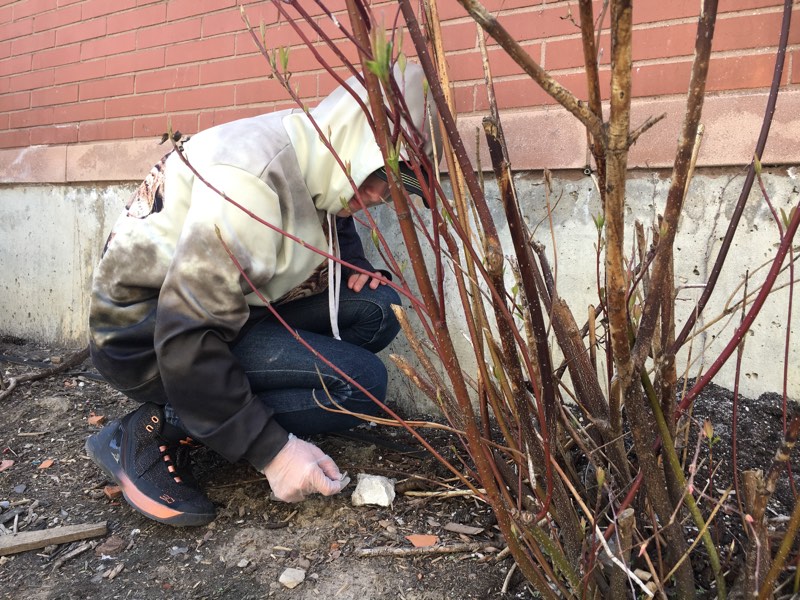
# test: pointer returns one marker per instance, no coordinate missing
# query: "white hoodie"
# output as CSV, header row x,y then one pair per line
x,y
167,300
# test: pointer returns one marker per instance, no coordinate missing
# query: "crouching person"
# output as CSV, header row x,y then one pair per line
x,y
175,324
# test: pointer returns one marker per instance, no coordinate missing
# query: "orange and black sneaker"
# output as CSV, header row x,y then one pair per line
x,y
151,467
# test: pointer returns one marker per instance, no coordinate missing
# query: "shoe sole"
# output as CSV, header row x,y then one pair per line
x,y
96,448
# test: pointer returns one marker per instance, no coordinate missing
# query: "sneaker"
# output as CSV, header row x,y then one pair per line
x,y
151,468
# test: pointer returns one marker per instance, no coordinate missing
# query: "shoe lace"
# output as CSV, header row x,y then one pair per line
x,y
172,465
177,458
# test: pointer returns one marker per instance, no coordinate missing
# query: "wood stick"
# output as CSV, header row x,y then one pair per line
x,y
32,540
394,551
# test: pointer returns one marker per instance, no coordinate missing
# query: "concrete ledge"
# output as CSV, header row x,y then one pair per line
x,y
546,137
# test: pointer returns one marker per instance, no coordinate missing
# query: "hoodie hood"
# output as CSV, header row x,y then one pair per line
x,y
343,121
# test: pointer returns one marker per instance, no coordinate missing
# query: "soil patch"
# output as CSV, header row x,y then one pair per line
x,y
254,539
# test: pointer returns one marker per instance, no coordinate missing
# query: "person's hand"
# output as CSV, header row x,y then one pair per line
x,y
301,469
357,281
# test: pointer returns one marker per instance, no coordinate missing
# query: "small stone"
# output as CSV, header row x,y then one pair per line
x,y
20,489
373,489
243,563
291,578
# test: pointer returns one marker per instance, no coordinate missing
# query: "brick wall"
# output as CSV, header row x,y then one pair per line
x,y
82,71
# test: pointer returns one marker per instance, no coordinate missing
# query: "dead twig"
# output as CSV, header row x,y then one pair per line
x,y
394,551
72,360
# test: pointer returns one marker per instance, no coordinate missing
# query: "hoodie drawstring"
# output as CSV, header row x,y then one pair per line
x,y
334,276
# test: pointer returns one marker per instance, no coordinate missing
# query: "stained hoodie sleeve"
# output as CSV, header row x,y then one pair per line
x,y
351,249
202,308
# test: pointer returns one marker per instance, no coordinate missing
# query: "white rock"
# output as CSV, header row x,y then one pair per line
x,y
291,578
373,489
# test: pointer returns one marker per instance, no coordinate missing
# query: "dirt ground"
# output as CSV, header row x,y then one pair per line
x,y
43,426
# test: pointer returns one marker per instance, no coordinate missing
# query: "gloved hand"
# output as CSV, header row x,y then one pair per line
x,y
300,469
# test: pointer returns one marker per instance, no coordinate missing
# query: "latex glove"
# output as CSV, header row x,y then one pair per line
x,y
301,469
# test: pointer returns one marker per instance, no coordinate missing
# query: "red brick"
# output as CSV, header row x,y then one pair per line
x,y
56,57
14,65
277,36
108,46
100,8
105,130
795,58
568,53
452,10
17,29
79,112
226,115
303,59
464,67
326,83
85,30
266,90
737,5
33,42
537,24
137,19
67,2
234,69
167,79
3,121
30,81
200,50
141,60
662,42
30,118
62,134
205,120
651,12
18,101
131,106
464,97
741,72
168,34
753,31
32,7
459,36
660,79
57,18
106,87
231,20
15,139
49,96
329,28
154,127
81,71
179,9
200,98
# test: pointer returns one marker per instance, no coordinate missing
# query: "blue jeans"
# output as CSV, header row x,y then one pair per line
x,y
292,381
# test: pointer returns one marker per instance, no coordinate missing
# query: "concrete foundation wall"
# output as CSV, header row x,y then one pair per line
x,y
711,199
52,236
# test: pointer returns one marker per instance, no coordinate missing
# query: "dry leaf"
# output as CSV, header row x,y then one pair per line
x,y
6,464
46,464
113,545
420,540
96,420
